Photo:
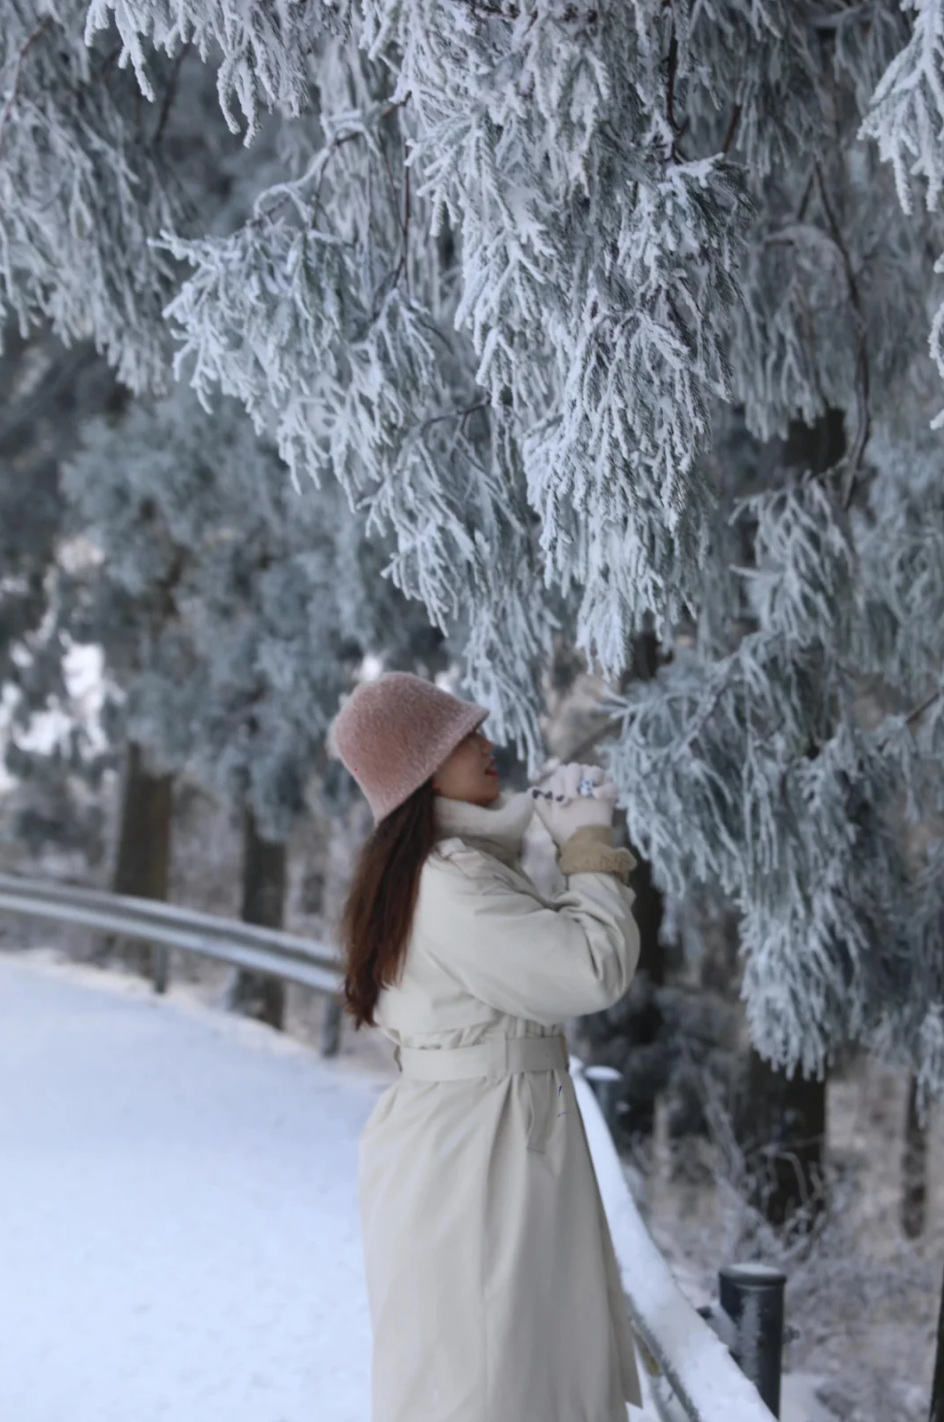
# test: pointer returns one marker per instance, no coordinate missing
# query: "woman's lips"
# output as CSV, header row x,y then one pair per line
x,y
491,770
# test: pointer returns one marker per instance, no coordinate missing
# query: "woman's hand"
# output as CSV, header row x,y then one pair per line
x,y
563,809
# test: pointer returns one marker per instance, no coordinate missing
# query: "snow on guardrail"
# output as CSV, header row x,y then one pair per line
x,y
705,1379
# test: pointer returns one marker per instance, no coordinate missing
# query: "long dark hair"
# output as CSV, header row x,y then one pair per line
x,y
378,911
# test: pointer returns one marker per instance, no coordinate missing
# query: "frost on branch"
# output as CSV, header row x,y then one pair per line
x,y
326,317
907,109
78,202
590,245
804,583
906,117
264,45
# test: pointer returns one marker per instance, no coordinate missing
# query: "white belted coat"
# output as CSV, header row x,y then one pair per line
x,y
494,1291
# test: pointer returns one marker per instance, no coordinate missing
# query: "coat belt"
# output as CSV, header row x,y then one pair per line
x,y
493,1057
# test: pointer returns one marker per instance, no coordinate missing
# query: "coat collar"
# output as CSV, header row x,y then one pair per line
x,y
496,829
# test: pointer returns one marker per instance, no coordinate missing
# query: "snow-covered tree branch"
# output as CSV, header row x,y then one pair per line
x,y
594,314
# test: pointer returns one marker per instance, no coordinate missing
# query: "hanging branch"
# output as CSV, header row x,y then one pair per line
x,y
462,415
670,92
853,459
15,88
169,95
732,129
325,155
916,713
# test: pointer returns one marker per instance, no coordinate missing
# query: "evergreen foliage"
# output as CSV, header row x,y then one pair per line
x,y
546,291
232,610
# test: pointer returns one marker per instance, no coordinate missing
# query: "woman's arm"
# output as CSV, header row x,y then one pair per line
x,y
545,959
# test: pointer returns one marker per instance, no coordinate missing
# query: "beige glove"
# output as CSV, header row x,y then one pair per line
x,y
561,807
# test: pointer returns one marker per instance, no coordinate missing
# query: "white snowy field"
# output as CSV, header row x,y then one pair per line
x,y
179,1235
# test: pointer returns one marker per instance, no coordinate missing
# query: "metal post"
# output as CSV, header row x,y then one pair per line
x,y
159,967
752,1297
605,1082
331,1028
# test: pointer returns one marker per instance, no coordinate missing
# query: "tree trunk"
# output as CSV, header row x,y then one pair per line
x,y
914,1169
143,861
936,1411
780,1125
649,905
263,902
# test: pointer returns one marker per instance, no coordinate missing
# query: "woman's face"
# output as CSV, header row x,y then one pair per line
x,y
466,773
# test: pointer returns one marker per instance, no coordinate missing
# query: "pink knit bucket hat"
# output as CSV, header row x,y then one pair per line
x,y
393,733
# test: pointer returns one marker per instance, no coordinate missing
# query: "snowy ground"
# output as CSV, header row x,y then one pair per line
x,y
178,1202
180,1237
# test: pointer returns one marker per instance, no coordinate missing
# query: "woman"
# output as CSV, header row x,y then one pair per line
x,y
494,1291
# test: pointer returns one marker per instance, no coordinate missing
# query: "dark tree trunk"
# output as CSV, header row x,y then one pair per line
x,y
936,1411
780,1125
914,1169
263,902
649,906
143,861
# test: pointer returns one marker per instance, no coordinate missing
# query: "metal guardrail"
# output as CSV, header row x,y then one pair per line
x,y
168,926
688,1372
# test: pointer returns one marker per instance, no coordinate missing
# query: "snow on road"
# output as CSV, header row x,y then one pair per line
x,y
179,1236
179,1233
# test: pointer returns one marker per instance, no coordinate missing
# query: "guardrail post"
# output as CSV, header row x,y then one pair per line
x,y
331,1028
752,1297
605,1081
159,967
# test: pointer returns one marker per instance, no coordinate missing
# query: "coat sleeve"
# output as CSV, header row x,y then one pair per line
x,y
546,959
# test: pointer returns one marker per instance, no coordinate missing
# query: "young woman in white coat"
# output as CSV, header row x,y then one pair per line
x,y
494,1292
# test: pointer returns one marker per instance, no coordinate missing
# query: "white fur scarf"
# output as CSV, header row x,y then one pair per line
x,y
496,829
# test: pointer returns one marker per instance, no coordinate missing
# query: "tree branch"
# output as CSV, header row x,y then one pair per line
x,y
332,148
670,92
918,711
169,95
340,139
853,459
15,88
456,414
732,129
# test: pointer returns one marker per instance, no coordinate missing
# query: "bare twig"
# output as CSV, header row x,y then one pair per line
x,y
169,95
670,93
15,87
406,224
332,148
109,57
456,414
918,711
801,210
854,457
342,138
404,218
732,129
